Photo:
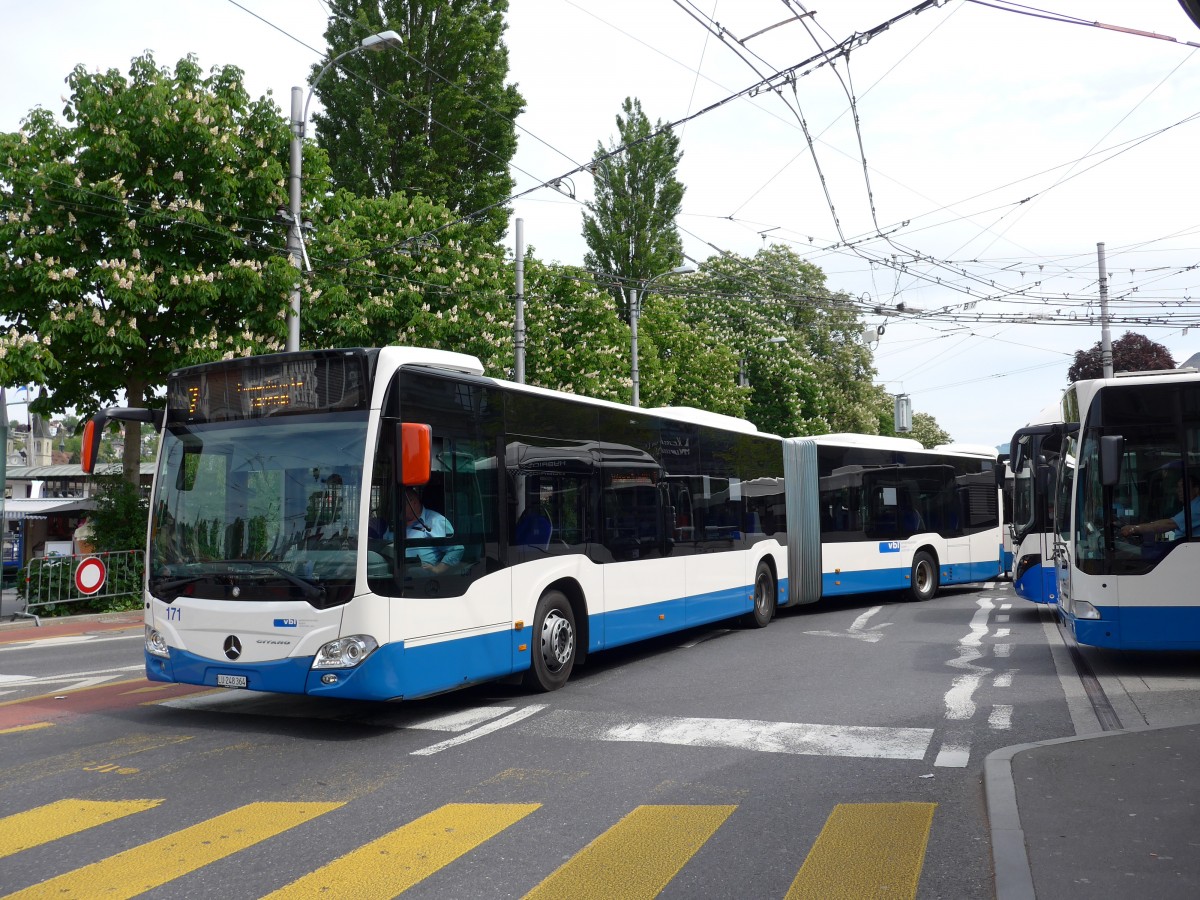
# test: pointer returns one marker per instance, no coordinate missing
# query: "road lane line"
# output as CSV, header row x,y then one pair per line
x,y
154,864
61,819
866,850
637,857
522,713
32,726
739,734
408,855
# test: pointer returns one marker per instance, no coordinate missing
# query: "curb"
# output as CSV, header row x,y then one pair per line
x,y
1010,858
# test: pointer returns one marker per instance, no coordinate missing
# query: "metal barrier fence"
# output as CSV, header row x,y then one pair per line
x,y
53,580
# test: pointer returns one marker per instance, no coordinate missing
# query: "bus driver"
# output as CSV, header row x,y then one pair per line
x,y
421,522
1175,524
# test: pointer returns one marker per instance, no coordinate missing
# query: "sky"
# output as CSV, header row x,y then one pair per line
x,y
1001,148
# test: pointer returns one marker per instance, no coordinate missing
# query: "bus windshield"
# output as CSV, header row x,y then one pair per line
x,y
259,509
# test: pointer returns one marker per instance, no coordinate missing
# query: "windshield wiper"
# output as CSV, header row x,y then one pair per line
x,y
172,586
309,589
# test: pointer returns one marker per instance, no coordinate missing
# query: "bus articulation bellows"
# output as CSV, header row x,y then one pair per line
x,y
286,553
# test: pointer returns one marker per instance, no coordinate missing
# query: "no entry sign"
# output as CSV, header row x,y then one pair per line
x,y
90,575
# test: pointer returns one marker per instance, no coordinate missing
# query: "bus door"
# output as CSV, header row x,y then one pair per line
x,y
644,587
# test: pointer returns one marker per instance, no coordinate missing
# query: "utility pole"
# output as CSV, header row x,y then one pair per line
x,y
1106,358
519,323
633,317
295,241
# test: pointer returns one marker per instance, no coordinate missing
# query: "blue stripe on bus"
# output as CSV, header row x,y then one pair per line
x,y
396,670
1038,584
1140,628
868,580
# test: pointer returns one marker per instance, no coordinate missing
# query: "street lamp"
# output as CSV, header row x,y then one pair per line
x,y
295,241
743,376
635,311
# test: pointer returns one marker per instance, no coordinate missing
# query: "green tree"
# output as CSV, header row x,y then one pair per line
x,y
575,339
433,117
802,355
402,270
630,226
1131,353
138,236
926,430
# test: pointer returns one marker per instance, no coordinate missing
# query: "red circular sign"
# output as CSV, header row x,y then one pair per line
x,y
90,575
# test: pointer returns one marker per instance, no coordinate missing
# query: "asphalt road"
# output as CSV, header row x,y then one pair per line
x,y
836,753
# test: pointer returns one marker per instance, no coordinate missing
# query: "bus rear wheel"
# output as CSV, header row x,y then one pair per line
x,y
764,598
923,582
554,643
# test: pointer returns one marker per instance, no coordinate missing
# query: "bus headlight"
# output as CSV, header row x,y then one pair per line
x,y
344,653
156,644
1085,610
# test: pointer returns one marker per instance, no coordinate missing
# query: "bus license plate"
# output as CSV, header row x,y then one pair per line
x,y
231,681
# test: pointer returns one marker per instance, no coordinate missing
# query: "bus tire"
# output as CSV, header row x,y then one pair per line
x,y
553,643
923,581
764,598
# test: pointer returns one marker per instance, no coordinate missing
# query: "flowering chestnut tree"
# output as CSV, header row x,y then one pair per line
x,y
138,235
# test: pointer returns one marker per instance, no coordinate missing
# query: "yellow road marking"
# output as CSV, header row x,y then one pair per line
x,y
144,868
866,850
34,727
401,858
637,857
57,820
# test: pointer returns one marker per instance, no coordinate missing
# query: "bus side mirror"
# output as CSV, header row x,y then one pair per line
x,y
89,451
413,451
1112,448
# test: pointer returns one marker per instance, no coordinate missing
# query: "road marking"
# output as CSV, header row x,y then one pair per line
x,y
953,756
62,819
637,857
867,850
979,624
154,864
402,858
512,718
32,726
461,720
741,734
67,641
87,679
1002,650
1004,679
1001,717
856,628
959,700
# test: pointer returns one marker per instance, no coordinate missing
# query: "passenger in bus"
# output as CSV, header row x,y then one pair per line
x,y
421,523
1175,524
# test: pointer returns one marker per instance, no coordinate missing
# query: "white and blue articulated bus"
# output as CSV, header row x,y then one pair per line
x,y
1127,526
389,523
1034,455
891,515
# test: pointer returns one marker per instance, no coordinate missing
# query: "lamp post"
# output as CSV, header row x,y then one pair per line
x,y
743,375
295,241
635,311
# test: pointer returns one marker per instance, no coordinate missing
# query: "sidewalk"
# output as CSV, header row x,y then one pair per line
x,y
12,623
1106,815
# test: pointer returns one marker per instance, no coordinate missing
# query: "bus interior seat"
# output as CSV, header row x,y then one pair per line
x,y
534,528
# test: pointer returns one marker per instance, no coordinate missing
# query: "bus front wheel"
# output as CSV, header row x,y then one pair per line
x,y
764,598
923,583
554,639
